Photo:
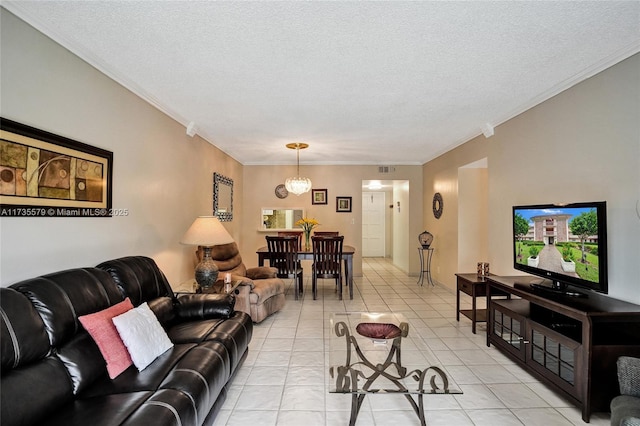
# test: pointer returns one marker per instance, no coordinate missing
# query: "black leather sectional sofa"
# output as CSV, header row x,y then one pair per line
x,y
54,374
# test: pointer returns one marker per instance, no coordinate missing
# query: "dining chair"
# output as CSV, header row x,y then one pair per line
x,y
326,233
283,255
297,234
327,261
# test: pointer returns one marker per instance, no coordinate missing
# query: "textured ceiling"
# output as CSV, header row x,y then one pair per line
x,y
362,82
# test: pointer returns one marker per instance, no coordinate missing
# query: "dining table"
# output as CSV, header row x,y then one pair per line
x,y
347,258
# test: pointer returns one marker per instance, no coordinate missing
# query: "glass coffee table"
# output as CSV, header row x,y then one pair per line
x,y
366,357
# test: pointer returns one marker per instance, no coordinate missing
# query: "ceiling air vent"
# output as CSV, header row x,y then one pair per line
x,y
386,169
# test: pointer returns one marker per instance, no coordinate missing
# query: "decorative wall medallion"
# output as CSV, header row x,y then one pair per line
x,y
437,205
281,191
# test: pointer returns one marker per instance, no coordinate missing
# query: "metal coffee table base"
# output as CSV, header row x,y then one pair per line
x,y
349,376
418,407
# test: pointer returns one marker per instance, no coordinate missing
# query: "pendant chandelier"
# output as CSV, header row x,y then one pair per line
x,y
298,184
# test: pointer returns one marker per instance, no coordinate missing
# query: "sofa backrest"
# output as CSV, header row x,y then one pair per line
x,y
61,297
228,260
29,370
47,357
23,337
140,279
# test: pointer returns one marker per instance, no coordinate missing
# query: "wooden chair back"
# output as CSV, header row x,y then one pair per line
x,y
283,255
297,234
327,256
326,233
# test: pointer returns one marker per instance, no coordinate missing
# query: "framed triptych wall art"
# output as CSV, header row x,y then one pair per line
x,y
46,175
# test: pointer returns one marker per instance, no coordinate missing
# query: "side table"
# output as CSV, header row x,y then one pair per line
x,y
425,265
219,287
190,286
475,286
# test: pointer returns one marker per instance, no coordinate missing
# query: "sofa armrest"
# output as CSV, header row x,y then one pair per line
x,y
261,272
629,375
204,306
243,280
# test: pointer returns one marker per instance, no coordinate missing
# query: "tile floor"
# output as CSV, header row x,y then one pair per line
x,y
283,380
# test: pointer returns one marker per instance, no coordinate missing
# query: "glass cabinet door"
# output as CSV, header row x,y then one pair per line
x,y
509,328
553,355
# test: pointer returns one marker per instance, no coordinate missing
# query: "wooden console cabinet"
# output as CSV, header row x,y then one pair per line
x,y
569,343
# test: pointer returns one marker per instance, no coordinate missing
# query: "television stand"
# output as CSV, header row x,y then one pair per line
x,y
554,290
569,343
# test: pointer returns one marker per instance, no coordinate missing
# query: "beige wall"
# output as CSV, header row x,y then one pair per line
x,y
581,145
260,182
473,221
163,177
441,175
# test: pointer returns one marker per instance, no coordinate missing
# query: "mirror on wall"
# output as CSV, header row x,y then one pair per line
x,y
222,197
273,218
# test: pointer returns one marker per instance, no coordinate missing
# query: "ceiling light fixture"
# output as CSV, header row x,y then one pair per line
x,y
375,184
298,185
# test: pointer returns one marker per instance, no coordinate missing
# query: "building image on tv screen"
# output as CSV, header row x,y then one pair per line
x,y
560,240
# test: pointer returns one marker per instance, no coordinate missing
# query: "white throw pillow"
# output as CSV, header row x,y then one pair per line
x,y
143,335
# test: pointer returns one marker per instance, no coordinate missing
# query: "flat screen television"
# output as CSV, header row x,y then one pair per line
x,y
564,243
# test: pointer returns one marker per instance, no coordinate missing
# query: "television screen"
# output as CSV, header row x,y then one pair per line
x,y
564,243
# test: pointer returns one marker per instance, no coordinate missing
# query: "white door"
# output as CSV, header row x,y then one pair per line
x,y
373,209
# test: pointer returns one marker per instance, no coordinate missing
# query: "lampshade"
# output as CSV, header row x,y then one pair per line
x,y
206,231
297,184
375,184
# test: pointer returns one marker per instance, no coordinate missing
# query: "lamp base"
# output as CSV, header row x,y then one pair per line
x,y
206,270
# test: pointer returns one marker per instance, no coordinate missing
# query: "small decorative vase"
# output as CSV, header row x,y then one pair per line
x,y
483,269
307,243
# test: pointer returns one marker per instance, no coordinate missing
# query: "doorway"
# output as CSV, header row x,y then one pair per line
x,y
373,224
395,210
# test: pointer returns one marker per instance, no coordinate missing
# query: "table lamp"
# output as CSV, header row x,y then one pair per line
x,y
206,231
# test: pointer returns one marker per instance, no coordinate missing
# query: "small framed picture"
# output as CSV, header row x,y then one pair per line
x,y
318,196
343,204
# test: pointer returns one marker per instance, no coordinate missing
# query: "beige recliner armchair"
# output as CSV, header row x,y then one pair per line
x,y
261,292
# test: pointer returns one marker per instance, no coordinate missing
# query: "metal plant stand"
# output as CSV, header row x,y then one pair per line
x,y
425,265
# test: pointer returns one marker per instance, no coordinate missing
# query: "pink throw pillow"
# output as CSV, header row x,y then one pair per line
x,y
104,333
